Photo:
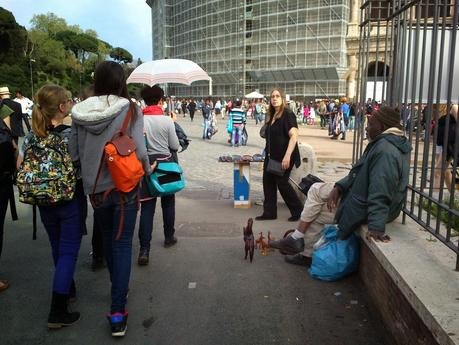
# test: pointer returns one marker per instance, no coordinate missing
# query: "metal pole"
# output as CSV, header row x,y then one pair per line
x,y
31,75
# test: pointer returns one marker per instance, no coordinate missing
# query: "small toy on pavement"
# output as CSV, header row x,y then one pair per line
x,y
270,238
262,244
249,240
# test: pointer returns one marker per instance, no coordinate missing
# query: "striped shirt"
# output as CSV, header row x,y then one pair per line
x,y
237,115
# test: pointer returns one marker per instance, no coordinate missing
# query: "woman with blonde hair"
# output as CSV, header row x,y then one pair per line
x,y
62,220
282,150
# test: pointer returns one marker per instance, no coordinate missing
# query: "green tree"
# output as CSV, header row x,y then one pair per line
x,y
13,48
121,55
48,23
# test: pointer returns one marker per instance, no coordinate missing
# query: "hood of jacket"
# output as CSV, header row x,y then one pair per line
x,y
97,112
396,137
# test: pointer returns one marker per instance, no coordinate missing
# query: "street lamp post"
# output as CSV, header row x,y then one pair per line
x,y
31,74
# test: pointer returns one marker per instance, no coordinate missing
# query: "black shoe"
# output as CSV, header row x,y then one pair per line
x,y
169,242
118,324
97,263
59,316
293,218
288,245
265,217
144,256
298,259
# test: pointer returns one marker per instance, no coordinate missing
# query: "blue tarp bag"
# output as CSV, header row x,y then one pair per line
x,y
166,179
333,258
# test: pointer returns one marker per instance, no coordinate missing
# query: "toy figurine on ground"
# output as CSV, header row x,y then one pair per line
x,y
249,239
262,244
270,238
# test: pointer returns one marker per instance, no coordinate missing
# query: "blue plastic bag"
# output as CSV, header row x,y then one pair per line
x,y
333,258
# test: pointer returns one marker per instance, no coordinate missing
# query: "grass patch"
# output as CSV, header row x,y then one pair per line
x,y
444,214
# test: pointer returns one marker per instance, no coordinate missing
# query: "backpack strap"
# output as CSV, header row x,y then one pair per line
x,y
127,119
14,214
34,222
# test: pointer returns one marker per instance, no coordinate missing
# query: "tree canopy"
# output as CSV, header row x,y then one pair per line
x,y
51,52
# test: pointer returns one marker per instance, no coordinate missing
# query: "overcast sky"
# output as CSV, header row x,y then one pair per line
x,y
122,23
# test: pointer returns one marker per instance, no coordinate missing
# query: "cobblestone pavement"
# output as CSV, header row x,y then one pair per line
x,y
204,173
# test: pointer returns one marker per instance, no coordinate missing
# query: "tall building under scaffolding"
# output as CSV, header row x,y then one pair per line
x,y
299,45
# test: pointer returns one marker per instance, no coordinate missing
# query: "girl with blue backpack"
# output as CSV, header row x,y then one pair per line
x,y
47,179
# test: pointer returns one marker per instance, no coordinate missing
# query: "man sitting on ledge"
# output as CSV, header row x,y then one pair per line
x,y
372,193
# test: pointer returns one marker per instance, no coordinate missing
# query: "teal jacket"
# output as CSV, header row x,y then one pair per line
x,y
374,191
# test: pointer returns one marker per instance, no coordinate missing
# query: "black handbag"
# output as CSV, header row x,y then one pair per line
x,y
273,167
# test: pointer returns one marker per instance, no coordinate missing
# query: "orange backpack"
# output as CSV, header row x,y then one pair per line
x,y
122,162
125,168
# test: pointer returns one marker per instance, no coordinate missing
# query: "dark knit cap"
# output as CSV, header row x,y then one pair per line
x,y
388,116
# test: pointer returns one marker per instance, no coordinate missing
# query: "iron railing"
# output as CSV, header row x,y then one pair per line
x,y
407,59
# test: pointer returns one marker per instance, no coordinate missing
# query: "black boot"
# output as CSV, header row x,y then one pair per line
x,y
59,316
72,292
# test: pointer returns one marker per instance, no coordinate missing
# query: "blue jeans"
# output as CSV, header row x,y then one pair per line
x,y
206,128
147,214
237,130
118,253
62,223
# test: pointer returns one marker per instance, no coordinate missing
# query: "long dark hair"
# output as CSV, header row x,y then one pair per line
x,y
271,110
109,79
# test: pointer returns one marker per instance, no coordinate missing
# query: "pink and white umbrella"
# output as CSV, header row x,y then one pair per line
x,y
164,71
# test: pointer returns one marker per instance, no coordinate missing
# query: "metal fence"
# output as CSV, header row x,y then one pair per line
x,y
407,59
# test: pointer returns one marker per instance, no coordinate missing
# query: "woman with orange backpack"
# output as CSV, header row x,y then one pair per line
x,y
47,178
107,139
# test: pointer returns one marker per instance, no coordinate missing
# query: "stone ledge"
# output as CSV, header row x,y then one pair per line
x,y
423,271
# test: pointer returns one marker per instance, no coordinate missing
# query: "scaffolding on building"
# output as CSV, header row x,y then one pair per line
x,y
299,45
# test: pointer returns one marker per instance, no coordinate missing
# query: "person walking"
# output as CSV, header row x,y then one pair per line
x,y
238,118
16,117
191,108
62,220
281,146
95,121
8,150
161,139
26,106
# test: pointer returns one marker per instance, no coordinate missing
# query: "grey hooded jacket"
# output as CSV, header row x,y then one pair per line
x,y
94,122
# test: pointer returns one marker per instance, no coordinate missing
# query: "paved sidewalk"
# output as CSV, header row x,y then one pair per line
x,y
198,292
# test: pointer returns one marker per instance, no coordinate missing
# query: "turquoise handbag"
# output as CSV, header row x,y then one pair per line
x,y
166,179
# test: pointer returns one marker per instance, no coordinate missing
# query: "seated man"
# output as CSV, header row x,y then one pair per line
x,y
372,193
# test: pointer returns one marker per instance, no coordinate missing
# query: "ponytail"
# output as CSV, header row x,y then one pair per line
x,y
48,99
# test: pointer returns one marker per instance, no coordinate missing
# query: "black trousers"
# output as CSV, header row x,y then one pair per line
x,y
270,185
6,195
